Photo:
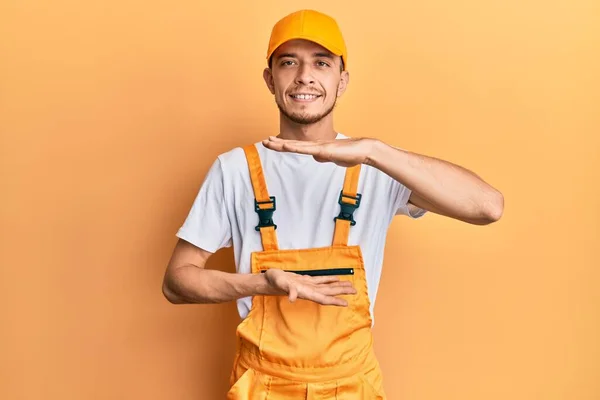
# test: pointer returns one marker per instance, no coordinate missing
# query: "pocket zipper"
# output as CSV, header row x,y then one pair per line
x,y
322,272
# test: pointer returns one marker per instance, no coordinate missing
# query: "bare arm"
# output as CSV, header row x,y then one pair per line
x,y
187,281
436,185
440,186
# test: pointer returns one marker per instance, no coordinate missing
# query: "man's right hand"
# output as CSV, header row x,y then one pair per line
x,y
186,281
320,289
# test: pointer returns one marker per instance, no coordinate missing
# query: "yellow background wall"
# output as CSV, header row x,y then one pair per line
x,y
112,112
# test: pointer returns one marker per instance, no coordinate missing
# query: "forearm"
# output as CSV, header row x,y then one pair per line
x,y
448,188
190,284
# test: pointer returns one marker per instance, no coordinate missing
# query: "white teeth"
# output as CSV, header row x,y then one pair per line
x,y
304,96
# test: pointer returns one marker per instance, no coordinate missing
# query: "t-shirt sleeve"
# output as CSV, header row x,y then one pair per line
x,y
402,205
207,225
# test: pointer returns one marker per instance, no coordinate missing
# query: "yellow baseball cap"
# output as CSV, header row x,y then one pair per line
x,y
310,25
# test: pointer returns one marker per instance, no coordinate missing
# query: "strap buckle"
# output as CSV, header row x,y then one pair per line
x,y
265,215
346,213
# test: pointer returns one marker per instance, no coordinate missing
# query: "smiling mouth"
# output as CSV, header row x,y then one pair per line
x,y
304,97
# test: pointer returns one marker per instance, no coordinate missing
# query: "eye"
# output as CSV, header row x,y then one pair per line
x,y
322,64
287,62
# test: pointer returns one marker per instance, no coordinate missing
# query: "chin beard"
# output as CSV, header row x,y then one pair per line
x,y
305,119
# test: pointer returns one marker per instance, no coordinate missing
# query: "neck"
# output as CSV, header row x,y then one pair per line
x,y
320,130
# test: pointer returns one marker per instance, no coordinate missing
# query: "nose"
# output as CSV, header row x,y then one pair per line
x,y
304,75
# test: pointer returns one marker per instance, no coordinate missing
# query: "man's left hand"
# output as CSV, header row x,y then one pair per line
x,y
343,152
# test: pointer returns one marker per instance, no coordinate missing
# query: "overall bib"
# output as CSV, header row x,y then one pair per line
x,y
304,350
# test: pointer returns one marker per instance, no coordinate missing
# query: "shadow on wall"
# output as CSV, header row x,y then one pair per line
x,y
223,346
204,342
198,341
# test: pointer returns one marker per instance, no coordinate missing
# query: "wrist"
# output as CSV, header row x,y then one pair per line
x,y
261,285
375,154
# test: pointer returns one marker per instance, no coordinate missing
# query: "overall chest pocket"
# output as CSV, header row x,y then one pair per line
x,y
305,332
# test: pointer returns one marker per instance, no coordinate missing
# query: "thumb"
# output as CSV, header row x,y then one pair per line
x,y
320,159
293,293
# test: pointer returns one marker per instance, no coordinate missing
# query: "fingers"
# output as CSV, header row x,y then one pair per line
x,y
322,279
326,293
320,289
297,146
328,300
325,282
278,146
275,139
292,148
332,290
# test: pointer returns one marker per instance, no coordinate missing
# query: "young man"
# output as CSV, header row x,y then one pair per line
x,y
307,213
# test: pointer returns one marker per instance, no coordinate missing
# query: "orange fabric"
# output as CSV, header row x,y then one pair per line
x,y
309,25
304,350
342,227
268,235
256,173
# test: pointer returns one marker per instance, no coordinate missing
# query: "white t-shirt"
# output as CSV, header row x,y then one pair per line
x,y
307,194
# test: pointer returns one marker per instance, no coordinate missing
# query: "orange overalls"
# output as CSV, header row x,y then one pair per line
x,y
305,350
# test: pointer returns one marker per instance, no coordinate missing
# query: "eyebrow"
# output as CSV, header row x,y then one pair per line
x,y
324,55
294,55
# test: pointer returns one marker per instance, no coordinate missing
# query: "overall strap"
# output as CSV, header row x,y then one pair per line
x,y
264,205
349,201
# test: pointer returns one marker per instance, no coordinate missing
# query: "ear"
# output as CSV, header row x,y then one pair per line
x,y
268,77
344,80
